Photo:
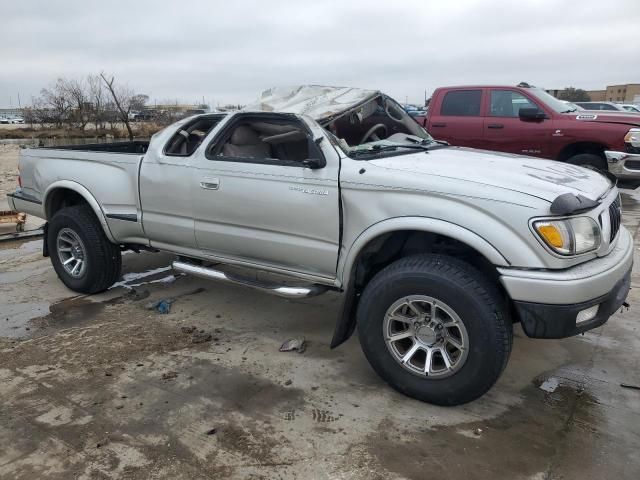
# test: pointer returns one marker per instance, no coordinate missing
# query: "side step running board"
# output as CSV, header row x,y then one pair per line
x,y
280,290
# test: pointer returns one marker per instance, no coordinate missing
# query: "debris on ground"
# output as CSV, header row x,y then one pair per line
x,y
169,375
188,330
550,385
288,382
201,337
477,431
162,306
298,344
136,295
211,431
632,387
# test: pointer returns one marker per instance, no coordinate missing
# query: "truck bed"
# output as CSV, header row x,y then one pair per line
x,y
105,173
135,146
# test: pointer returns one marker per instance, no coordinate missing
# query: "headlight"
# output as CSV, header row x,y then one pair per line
x,y
571,236
633,137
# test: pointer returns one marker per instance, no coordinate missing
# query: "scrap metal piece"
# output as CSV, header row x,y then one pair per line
x,y
298,344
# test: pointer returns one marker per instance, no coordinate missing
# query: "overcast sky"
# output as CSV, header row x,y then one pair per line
x,y
229,51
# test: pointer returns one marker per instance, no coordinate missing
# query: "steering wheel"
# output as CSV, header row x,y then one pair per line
x,y
372,133
390,106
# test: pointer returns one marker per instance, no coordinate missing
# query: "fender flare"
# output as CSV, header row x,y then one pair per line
x,y
88,197
425,224
345,325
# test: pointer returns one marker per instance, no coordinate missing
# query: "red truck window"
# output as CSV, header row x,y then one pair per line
x,y
464,103
507,103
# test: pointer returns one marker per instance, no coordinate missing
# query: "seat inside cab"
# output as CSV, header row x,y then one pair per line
x,y
267,139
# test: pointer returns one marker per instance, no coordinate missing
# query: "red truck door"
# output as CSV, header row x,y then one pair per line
x,y
505,131
455,117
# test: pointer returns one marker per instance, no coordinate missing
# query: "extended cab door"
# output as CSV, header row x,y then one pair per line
x,y
455,117
505,131
165,184
265,192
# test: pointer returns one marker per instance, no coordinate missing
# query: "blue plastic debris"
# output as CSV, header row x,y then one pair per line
x,y
162,306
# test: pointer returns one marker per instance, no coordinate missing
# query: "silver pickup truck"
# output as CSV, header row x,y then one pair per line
x,y
436,250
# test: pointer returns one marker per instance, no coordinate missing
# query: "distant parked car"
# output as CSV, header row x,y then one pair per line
x,y
572,105
4,120
608,106
16,120
630,107
146,116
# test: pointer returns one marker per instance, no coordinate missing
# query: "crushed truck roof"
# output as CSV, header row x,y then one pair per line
x,y
322,103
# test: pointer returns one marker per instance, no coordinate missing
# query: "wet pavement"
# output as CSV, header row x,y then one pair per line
x,y
107,387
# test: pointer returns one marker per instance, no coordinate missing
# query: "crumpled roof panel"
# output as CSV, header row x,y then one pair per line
x,y
317,101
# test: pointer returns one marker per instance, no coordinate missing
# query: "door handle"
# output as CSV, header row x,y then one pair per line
x,y
438,124
495,125
210,184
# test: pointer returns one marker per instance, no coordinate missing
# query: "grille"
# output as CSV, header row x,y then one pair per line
x,y
632,164
615,217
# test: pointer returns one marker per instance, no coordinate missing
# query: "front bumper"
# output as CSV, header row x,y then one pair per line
x,y
625,166
558,321
549,301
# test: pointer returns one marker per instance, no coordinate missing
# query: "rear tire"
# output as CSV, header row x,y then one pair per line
x,y
469,311
75,234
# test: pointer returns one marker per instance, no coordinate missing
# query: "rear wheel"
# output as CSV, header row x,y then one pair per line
x,y
435,329
81,254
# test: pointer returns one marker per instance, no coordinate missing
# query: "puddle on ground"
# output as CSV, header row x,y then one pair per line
x,y
9,250
14,318
526,436
69,313
21,320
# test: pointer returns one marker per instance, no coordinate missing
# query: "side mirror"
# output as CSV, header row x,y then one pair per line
x,y
314,163
531,113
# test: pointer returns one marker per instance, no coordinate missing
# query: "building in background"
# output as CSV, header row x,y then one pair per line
x,y
597,95
10,112
627,93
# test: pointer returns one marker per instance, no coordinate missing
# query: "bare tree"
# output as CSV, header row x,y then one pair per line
x,y
572,94
77,96
97,96
55,101
139,101
123,98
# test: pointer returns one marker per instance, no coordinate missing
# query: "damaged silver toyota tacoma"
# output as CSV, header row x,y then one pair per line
x,y
435,250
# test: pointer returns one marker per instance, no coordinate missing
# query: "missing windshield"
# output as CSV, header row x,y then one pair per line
x,y
376,128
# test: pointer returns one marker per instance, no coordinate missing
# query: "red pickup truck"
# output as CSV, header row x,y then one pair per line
x,y
528,121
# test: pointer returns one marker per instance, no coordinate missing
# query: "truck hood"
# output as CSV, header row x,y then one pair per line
x,y
599,116
322,103
545,179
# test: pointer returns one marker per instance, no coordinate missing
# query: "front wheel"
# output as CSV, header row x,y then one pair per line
x,y
589,160
81,254
435,329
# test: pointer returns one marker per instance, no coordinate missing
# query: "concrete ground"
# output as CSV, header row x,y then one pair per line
x,y
102,387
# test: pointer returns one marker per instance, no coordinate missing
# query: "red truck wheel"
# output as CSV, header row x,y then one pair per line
x,y
588,160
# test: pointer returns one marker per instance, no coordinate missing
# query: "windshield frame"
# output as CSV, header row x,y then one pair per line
x,y
383,147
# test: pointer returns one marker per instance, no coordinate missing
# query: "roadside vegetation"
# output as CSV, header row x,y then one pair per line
x,y
95,106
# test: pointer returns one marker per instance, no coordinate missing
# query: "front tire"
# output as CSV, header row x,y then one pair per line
x,y
82,255
435,329
589,160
